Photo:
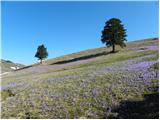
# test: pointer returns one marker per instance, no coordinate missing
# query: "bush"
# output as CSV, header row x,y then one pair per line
x,y
6,93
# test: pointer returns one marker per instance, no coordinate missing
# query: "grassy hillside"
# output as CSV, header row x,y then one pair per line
x,y
90,84
6,65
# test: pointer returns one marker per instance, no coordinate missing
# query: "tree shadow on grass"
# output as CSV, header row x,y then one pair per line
x,y
146,109
83,58
23,68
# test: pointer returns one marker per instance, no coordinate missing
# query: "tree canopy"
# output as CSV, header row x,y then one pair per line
x,y
41,52
114,33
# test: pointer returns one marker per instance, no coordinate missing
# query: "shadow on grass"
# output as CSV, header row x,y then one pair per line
x,y
6,93
83,58
146,109
23,68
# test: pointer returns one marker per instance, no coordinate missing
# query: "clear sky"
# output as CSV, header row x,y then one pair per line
x,y
67,27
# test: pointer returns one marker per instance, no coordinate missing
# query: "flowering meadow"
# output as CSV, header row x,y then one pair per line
x,y
120,85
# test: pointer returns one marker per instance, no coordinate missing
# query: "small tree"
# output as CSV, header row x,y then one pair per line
x,y
41,53
114,34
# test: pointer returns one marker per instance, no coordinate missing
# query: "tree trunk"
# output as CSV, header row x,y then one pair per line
x,y
113,48
41,61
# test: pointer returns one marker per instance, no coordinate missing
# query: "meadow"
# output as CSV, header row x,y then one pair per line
x,y
89,84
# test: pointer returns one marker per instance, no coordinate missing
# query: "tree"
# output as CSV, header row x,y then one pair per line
x,y
114,34
41,53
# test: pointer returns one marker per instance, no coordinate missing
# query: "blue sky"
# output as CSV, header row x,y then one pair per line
x,y
67,27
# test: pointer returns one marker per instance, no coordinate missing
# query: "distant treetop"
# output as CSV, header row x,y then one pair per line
x,y
41,52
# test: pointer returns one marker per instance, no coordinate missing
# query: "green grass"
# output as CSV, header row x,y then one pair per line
x,y
90,94
6,64
155,66
6,93
102,49
121,56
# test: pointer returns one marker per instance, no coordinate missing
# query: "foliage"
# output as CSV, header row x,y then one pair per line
x,y
41,52
114,33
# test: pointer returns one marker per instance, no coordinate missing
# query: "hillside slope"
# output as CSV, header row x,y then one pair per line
x,y
8,66
88,84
